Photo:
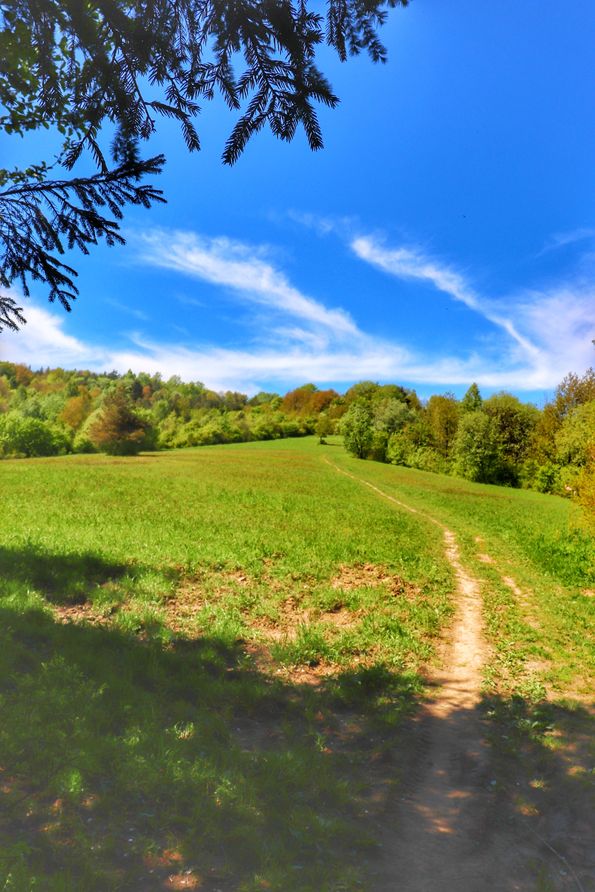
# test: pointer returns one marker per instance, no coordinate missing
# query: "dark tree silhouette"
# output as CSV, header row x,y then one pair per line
x,y
109,69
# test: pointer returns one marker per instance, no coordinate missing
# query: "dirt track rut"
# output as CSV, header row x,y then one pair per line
x,y
449,829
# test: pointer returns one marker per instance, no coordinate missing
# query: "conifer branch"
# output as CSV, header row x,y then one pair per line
x,y
84,69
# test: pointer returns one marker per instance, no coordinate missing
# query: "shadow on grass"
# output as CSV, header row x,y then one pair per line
x,y
127,763
497,797
63,578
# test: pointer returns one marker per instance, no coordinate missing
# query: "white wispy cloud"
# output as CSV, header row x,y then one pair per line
x,y
551,328
409,263
562,320
242,268
562,239
128,310
43,341
341,226
543,333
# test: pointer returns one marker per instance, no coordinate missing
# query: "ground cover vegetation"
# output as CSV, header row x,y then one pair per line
x,y
495,440
536,551
534,558
206,656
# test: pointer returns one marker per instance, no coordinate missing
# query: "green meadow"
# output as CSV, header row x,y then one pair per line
x,y
208,656
536,559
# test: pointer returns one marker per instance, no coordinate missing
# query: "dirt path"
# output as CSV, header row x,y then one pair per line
x,y
445,796
452,829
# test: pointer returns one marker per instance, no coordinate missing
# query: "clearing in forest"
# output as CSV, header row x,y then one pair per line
x,y
213,662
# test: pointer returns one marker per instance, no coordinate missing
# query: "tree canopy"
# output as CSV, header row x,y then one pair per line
x,y
101,74
501,441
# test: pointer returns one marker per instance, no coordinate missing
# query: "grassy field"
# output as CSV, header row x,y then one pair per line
x,y
207,655
203,652
537,562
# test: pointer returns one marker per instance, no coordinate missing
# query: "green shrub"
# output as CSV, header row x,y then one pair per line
x,y
30,437
477,449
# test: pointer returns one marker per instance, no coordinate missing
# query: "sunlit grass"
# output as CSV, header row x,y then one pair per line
x,y
535,542
179,698
205,656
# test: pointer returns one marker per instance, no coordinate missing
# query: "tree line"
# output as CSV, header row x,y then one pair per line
x,y
58,411
499,439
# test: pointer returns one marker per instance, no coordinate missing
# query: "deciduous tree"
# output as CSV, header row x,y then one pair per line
x,y
356,427
118,429
477,449
442,413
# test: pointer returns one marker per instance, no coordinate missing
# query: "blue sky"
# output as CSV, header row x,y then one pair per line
x,y
446,233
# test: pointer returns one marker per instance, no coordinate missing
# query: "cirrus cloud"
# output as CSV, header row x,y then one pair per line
x,y
542,333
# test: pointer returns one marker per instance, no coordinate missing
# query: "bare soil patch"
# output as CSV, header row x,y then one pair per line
x,y
81,613
445,800
356,576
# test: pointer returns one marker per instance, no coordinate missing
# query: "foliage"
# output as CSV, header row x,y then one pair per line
x,y
308,400
472,400
391,415
586,487
356,428
30,437
173,413
573,391
97,72
118,429
477,449
39,220
576,436
546,450
515,422
443,419
575,444
324,427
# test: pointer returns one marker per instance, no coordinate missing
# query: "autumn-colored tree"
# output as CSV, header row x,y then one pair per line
x,y
23,374
118,429
76,409
321,400
298,400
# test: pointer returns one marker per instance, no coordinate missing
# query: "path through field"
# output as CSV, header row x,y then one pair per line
x,y
449,831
